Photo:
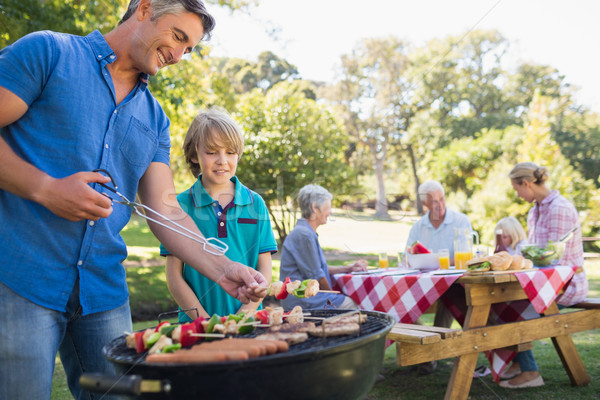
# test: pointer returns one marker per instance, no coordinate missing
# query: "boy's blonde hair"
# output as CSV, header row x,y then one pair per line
x,y
512,227
211,128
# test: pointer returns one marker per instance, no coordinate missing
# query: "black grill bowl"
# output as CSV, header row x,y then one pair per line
x,y
343,367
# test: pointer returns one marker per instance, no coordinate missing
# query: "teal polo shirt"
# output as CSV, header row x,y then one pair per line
x,y
244,225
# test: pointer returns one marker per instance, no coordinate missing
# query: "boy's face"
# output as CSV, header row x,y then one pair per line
x,y
218,165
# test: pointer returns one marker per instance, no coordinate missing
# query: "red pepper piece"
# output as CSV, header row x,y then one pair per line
x,y
198,323
161,325
139,342
262,316
223,319
185,339
283,293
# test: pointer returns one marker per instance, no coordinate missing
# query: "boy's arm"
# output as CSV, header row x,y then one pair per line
x,y
265,267
180,290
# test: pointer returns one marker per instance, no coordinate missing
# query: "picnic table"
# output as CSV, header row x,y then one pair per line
x,y
522,305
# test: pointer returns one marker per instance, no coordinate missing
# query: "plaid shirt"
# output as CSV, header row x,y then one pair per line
x,y
551,219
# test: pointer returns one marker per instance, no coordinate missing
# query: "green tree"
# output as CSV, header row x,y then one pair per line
x,y
291,141
79,17
373,97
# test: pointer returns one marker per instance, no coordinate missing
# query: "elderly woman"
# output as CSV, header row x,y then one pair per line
x,y
302,257
550,218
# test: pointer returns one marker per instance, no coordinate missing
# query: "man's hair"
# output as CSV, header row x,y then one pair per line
x,y
428,187
312,194
210,129
164,7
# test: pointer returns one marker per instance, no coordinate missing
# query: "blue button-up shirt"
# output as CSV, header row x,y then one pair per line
x,y
73,124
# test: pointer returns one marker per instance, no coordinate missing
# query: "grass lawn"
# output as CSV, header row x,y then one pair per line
x,y
149,296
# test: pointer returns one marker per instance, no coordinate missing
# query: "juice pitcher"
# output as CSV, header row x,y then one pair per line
x,y
463,246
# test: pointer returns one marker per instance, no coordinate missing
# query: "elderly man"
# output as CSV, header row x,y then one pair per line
x,y
436,228
70,105
436,231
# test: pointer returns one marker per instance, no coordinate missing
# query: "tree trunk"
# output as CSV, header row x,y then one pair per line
x,y
413,163
381,205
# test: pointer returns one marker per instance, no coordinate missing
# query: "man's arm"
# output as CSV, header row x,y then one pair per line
x,y
156,190
70,197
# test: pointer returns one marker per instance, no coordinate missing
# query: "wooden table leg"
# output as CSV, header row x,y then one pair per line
x,y
464,366
569,356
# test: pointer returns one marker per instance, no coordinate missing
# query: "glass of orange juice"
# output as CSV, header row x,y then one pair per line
x,y
461,258
383,260
444,257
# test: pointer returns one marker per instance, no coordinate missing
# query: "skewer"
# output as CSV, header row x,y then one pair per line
x,y
329,291
215,335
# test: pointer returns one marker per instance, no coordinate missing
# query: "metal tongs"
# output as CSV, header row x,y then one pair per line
x,y
210,245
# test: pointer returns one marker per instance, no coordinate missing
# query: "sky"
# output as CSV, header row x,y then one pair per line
x,y
314,34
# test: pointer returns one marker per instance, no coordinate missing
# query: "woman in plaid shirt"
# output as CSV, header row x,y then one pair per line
x,y
550,218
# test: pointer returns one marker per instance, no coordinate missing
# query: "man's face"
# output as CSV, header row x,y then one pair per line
x,y
164,41
437,205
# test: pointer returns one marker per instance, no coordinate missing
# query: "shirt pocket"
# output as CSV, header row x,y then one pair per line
x,y
139,144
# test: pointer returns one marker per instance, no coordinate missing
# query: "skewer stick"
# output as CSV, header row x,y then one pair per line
x,y
329,291
215,335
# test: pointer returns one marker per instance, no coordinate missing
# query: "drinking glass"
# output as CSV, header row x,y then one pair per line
x,y
444,257
383,260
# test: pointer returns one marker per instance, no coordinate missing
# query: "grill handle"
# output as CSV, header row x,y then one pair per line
x,y
132,385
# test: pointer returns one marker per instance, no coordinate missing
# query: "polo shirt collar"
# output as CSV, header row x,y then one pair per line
x,y
105,54
201,198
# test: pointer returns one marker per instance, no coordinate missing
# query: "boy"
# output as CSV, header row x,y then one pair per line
x,y
222,208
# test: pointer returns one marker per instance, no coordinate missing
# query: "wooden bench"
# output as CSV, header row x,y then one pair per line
x,y
589,304
416,344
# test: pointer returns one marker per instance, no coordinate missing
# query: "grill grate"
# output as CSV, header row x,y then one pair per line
x,y
377,323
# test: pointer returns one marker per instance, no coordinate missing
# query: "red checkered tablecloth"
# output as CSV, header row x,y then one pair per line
x,y
405,297
541,287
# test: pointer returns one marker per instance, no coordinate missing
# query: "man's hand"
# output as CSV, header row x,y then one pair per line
x,y
243,283
72,198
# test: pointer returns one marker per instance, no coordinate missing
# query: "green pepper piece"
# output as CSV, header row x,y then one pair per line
x,y
247,328
300,292
153,339
168,330
214,320
236,318
170,348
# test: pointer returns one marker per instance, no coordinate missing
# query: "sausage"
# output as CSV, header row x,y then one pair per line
x,y
186,356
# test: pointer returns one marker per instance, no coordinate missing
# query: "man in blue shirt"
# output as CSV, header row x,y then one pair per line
x,y
70,105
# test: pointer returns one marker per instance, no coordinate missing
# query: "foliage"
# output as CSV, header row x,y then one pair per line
x,y
479,167
291,141
373,97
79,17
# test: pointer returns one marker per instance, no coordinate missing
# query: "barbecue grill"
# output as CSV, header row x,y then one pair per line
x,y
341,367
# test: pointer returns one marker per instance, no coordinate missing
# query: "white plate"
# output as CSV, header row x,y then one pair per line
x,y
448,271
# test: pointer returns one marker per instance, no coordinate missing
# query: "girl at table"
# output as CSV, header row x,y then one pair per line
x,y
550,218
513,234
302,256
